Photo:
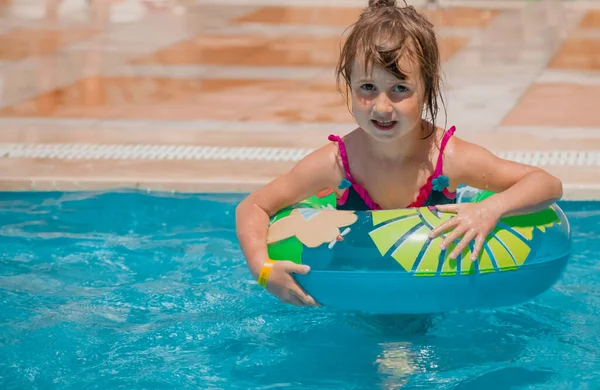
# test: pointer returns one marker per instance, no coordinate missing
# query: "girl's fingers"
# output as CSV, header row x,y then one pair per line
x,y
303,297
463,244
449,224
291,267
459,231
448,208
479,240
294,300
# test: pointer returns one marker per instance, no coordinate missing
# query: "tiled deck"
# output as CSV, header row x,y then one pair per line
x,y
81,85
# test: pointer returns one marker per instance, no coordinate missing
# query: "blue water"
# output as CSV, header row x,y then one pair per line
x,y
136,291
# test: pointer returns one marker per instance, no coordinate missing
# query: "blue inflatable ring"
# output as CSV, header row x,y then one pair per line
x,y
383,261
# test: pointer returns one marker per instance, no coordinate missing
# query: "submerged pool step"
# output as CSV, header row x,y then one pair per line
x,y
75,151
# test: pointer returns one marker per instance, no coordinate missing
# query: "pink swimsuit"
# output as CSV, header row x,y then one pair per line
x,y
433,192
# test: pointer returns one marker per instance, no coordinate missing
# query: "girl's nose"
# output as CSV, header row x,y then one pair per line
x,y
383,105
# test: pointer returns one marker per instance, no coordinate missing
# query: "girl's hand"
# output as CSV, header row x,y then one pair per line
x,y
474,221
282,285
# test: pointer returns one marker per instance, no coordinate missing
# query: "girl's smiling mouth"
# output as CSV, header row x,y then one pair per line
x,y
383,125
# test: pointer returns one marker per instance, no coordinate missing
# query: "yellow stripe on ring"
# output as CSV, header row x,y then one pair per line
x,y
263,277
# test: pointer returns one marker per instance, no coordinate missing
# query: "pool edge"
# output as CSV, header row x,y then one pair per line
x,y
572,191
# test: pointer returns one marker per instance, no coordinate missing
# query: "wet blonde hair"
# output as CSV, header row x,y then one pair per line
x,y
385,33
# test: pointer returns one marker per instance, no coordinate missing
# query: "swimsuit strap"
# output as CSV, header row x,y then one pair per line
x,y
360,190
343,155
425,191
438,167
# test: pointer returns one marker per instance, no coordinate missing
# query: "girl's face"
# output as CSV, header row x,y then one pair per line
x,y
384,106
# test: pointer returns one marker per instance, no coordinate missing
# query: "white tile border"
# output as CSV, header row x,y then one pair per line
x,y
77,151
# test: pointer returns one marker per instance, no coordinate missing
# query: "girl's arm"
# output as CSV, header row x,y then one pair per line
x,y
519,189
316,172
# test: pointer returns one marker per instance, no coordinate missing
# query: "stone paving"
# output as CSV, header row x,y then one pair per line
x,y
222,95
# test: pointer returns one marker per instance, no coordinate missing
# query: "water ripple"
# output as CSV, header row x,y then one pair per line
x,y
130,290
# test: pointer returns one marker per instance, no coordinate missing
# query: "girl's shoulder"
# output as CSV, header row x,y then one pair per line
x,y
338,150
464,159
323,164
456,155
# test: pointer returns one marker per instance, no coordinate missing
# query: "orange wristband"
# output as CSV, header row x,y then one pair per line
x,y
263,277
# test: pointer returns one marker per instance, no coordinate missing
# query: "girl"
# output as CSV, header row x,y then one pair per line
x,y
397,157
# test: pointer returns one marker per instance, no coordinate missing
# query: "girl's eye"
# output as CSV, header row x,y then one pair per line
x,y
400,88
367,87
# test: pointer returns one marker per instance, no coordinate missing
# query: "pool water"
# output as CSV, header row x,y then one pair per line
x,y
129,290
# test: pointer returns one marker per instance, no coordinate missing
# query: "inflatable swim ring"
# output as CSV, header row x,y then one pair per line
x,y
383,261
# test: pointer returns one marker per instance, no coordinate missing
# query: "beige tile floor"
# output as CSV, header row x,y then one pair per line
x,y
85,82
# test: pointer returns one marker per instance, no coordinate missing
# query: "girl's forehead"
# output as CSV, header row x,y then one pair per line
x,y
408,71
